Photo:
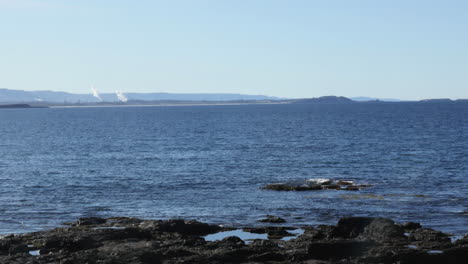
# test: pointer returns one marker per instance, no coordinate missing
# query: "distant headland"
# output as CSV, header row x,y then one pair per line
x,y
21,106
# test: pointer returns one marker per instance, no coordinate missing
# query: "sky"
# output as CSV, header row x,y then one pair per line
x,y
287,48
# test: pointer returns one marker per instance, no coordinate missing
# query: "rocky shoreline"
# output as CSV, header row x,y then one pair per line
x,y
130,240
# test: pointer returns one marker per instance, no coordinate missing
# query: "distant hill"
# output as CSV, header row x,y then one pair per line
x,y
326,100
44,98
365,99
19,96
437,100
197,97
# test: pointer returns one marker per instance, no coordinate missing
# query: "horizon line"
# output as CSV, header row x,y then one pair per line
x,y
233,93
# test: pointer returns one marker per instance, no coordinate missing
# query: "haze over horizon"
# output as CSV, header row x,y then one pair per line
x,y
290,49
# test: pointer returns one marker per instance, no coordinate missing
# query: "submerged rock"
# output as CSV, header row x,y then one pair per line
x,y
352,240
272,219
90,221
292,187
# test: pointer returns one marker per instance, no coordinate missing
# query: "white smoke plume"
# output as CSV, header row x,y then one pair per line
x,y
96,93
122,98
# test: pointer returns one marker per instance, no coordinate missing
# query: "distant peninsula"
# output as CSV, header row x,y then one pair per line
x,y
326,100
32,99
21,96
20,106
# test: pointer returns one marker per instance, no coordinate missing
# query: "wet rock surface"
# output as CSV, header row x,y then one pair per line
x,y
131,240
316,185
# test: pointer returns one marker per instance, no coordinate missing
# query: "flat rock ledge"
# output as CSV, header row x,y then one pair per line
x,y
315,185
124,240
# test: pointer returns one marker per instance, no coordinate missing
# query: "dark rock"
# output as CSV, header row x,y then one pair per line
x,y
274,232
352,188
272,219
232,255
384,230
69,243
428,234
311,234
177,252
119,234
324,232
123,220
410,226
190,227
377,229
338,249
268,256
314,185
232,242
455,255
44,251
286,187
4,245
351,227
194,242
17,249
90,221
331,187
427,238
279,234
462,241
341,182
264,243
392,254
256,230
352,240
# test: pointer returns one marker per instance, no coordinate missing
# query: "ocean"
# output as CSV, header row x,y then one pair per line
x,y
209,162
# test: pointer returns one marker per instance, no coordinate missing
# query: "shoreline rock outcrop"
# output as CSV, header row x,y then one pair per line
x,y
131,240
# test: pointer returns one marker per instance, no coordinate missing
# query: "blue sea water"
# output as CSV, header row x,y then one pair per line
x,y
208,162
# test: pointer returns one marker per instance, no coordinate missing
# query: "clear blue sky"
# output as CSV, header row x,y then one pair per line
x,y
288,48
